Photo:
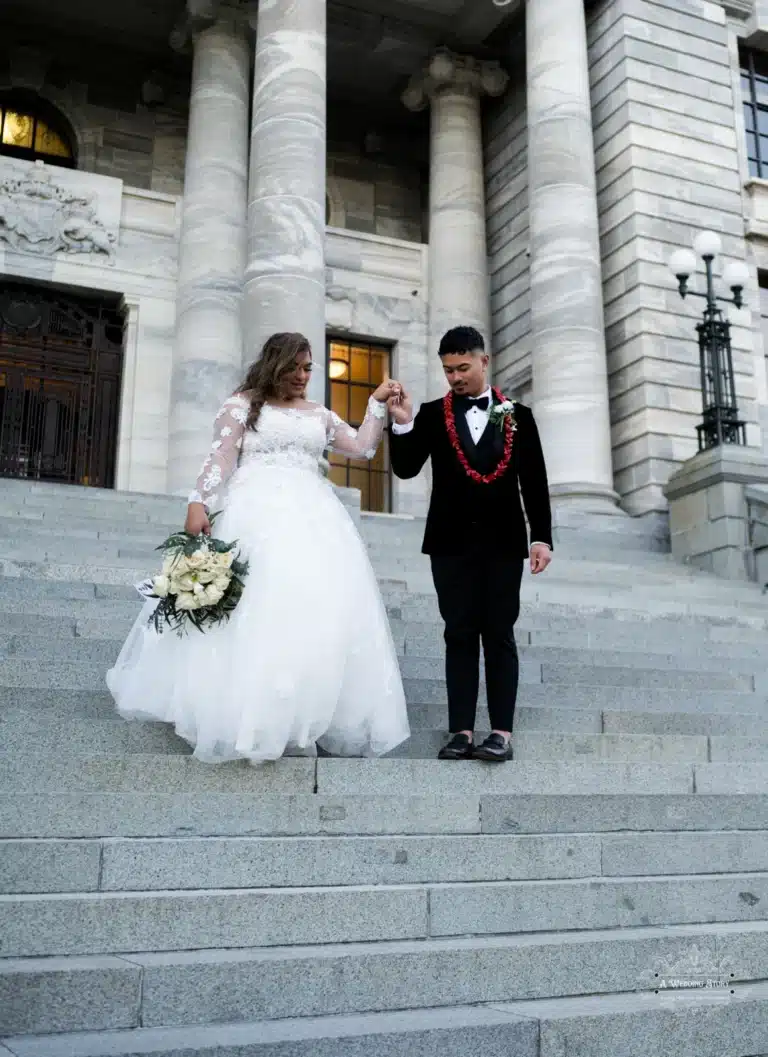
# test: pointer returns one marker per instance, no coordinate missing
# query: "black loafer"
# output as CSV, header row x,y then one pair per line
x,y
493,750
460,747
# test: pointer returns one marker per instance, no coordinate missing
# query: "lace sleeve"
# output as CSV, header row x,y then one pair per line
x,y
361,443
222,459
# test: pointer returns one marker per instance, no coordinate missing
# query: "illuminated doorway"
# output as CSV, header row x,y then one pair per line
x,y
355,369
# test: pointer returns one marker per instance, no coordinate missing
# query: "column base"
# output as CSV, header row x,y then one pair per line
x,y
588,519
585,498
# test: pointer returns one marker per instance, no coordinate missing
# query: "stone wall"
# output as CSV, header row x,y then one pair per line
x,y
667,160
506,166
100,94
102,236
375,197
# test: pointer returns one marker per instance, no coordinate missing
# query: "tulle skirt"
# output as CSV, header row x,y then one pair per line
x,y
307,657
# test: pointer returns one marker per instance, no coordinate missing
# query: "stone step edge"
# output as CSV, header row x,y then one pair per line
x,y
277,892
107,815
691,613
26,645
27,702
342,776
524,1019
545,745
35,965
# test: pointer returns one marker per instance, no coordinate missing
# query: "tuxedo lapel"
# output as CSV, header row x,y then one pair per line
x,y
490,447
462,428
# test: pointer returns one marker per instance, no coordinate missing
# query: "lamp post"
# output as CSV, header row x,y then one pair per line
x,y
720,423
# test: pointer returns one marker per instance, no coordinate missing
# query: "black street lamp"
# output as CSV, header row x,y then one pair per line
x,y
720,423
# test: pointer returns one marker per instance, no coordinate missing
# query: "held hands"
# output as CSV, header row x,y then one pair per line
x,y
541,556
400,405
386,391
397,400
197,520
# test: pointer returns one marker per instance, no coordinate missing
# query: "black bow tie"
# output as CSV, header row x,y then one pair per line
x,y
466,402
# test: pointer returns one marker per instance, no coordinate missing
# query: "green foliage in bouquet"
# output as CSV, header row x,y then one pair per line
x,y
201,582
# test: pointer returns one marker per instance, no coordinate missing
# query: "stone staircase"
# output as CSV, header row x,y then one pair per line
x,y
401,907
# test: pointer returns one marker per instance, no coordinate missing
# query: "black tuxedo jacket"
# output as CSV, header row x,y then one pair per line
x,y
463,512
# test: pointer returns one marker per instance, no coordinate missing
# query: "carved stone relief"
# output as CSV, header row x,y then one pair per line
x,y
45,213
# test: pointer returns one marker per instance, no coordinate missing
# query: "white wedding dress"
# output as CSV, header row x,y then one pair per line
x,y
307,657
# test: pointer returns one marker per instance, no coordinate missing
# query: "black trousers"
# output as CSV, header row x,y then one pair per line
x,y
479,599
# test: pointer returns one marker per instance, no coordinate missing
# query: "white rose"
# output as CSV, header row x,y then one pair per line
x,y
224,560
180,584
222,583
507,406
169,564
198,590
213,595
186,601
197,560
161,585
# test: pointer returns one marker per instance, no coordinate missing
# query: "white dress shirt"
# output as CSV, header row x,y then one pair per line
x,y
477,421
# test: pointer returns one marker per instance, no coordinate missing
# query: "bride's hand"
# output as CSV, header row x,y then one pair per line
x,y
386,391
197,520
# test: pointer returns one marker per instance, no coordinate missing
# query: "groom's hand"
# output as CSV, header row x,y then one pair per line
x,y
541,556
401,408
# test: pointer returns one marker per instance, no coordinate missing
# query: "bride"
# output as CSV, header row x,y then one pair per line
x,y
307,657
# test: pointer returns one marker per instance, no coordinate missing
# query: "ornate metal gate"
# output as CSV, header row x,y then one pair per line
x,y
61,361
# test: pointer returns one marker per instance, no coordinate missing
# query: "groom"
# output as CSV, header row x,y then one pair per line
x,y
476,535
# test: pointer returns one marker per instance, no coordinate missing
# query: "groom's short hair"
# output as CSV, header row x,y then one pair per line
x,y
461,339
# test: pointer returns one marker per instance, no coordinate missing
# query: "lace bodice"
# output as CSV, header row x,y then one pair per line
x,y
289,437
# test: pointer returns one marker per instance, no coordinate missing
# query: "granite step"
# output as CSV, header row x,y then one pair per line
x,y
111,516
28,524
551,746
158,813
31,529
630,1025
26,538
52,714
557,679
152,813
24,732
34,688
577,603
58,866
85,923
40,866
163,773
89,615
99,992
54,585
537,663
430,694
388,776
576,575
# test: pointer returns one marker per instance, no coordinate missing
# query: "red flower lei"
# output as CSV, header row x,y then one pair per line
x,y
453,436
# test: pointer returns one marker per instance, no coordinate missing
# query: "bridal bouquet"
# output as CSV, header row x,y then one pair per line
x,y
200,584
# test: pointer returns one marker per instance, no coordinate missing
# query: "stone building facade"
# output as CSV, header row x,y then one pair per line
x,y
371,173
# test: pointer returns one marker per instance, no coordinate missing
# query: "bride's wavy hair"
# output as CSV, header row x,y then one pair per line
x,y
277,358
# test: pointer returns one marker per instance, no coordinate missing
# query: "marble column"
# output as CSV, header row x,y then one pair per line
x,y
459,293
285,273
208,350
570,383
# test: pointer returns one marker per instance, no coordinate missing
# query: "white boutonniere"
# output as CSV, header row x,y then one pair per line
x,y
503,412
